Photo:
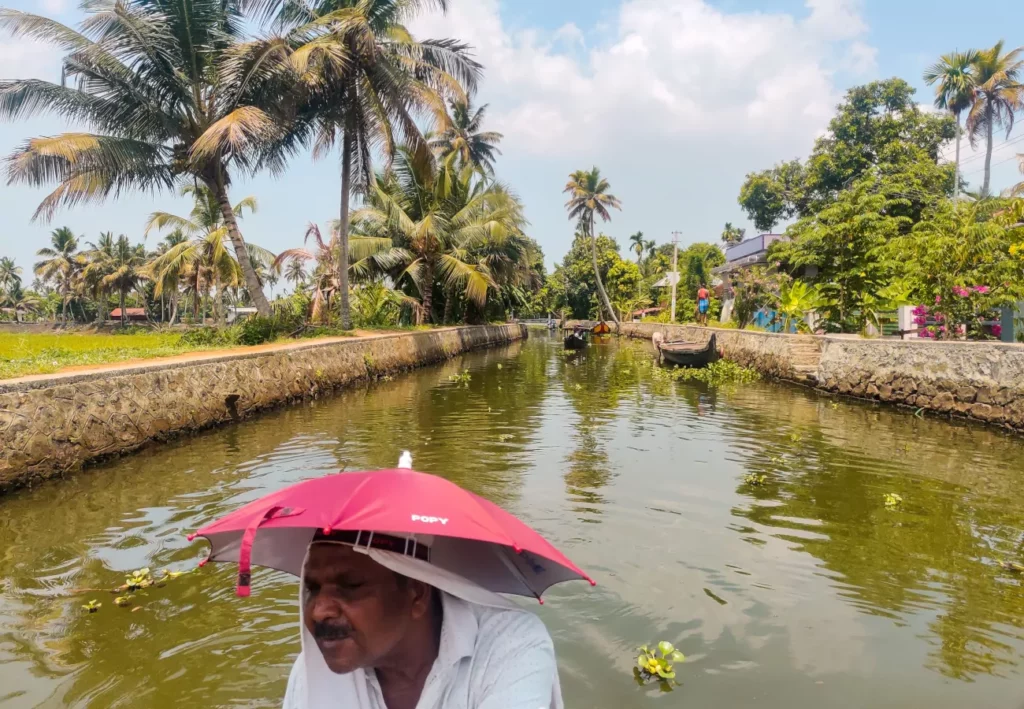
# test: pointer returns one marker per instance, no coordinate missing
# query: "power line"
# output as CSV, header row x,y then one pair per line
x,y
981,155
981,169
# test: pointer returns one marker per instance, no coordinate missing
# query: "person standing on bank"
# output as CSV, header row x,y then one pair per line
x,y
703,303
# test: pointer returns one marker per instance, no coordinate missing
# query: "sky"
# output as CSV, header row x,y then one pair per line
x,y
675,100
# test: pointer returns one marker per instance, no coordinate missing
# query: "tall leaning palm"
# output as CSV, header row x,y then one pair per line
x,y
367,80
954,79
589,196
998,94
167,100
62,264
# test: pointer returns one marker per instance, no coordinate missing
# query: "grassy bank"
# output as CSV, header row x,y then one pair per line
x,y
43,353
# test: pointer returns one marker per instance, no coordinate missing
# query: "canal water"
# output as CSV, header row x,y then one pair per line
x,y
805,591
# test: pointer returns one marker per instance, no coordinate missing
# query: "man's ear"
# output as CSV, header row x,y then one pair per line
x,y
422,596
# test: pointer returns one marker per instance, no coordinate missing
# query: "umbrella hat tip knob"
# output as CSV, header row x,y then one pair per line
x,y
405,461
327,530
190,537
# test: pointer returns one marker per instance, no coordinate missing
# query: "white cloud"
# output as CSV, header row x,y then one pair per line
x,y
861,58
680,70
570,34
836,19
53,7
23,58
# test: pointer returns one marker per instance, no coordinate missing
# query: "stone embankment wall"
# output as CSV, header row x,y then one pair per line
x,y
49,425
978,380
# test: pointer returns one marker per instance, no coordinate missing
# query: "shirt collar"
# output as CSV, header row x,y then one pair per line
x,y
458,631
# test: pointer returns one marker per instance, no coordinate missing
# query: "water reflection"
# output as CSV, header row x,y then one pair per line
x,y
803,592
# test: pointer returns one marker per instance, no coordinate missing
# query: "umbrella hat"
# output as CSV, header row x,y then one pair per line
x,y
421,516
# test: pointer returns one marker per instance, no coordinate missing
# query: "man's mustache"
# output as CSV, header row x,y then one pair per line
x,y
330,631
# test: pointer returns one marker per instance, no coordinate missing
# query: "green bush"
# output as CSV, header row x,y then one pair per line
x,y
257,329
205,337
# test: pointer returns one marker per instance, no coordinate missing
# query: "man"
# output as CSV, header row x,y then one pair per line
x,y
703,303
378,632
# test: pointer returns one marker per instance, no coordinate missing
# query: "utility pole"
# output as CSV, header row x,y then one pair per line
x,y
675,269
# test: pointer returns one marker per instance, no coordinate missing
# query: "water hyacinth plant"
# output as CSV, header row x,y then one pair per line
x,y
657,664
892,500
754,479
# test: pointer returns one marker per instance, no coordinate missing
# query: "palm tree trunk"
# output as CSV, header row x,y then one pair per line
x,y
989,119
174,304
121,301
448,300
427,299
347,147
597,275
252,283
956,172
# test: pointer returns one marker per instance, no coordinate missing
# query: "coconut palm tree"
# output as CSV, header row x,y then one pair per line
x,y
167,281
732,235
464,136
167,98
366,78
589,196
62,264
295,272
998,94
324,280
125,271
447,225
10,273
203,256
954,79
99,264
638,245
19,301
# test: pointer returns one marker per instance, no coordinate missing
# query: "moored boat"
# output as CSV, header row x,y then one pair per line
x,y
601,328
689,354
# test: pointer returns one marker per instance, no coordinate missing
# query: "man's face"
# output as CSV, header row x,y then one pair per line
x,y
357,610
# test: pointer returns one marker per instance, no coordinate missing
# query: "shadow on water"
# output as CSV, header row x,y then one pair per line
x,y
805,591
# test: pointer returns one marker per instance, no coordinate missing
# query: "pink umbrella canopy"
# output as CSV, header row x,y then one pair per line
x,y
420,515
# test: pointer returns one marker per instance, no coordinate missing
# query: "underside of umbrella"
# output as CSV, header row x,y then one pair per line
x,y
408,512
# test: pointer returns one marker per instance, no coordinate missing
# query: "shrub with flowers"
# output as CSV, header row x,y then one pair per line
x,y
965,313
960,265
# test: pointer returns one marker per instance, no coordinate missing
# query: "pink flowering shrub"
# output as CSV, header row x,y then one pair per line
x,y
966,313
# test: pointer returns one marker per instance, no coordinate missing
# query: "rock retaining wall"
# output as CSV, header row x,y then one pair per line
x,y
978,380
49,425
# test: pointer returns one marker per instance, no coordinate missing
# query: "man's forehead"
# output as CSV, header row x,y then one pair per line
x,y
325,557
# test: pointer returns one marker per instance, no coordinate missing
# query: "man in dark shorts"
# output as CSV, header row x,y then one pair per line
x,y
703,303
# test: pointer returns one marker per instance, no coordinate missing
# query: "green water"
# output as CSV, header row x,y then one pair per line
x,y
804,592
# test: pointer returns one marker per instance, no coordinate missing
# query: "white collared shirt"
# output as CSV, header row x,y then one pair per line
x,y
488,658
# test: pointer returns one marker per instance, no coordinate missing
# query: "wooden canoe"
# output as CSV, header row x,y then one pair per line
x,y
575,341
689,354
